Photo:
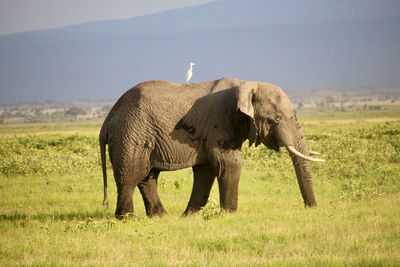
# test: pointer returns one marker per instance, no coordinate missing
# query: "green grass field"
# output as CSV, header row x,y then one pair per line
x,y
51,209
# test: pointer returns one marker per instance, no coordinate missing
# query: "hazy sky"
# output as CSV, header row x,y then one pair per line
x,y
27,15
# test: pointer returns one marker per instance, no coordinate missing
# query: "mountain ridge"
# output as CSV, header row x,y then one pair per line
x,y
103,59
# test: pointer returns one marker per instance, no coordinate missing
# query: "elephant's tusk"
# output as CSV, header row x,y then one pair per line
x,y
300,155
313,152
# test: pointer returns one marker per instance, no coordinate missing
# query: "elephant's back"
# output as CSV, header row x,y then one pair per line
x,y
159,91
150,108
164,101
145,92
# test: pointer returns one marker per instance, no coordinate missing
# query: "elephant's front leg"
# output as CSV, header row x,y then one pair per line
x,y
228,184
229,165
148,189
204,176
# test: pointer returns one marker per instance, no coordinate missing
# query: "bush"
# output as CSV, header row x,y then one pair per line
x,y
47,154
211,210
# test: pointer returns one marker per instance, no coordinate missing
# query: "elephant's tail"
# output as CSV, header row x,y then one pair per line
x,y
103,143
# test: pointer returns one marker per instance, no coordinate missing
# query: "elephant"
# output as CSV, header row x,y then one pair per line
x,y
162,126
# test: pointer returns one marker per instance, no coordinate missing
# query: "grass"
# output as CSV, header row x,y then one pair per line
x,y
51,194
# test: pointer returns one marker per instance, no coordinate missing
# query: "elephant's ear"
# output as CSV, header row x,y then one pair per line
x,y
244,98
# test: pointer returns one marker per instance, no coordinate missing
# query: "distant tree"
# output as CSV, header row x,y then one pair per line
x,y
330,99
38,112
3,119
75,111
300,105
106,108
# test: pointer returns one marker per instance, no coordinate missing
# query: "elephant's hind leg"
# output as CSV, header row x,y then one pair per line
x,y
126,183
124,199
204,177
148,189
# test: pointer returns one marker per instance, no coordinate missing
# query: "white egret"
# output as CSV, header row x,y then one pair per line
x,y
189,73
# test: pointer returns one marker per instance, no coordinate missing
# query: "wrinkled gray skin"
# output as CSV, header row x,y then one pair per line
x,y
162,126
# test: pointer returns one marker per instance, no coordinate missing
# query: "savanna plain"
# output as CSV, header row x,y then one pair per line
x,y
51,209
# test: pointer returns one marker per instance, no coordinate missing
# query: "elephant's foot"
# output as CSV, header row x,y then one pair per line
x,y
126,215
191,210
231,209
156,211
124,207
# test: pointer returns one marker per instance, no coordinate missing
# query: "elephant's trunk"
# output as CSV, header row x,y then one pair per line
x,y
289,134
303,172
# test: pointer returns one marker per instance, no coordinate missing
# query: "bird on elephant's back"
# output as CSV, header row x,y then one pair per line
x,y
161,126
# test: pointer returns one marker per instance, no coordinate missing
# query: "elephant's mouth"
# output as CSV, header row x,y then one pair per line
x,y
279,138
274,136
269,141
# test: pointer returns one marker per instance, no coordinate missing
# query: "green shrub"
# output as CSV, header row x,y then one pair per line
x,y
211,210
47,154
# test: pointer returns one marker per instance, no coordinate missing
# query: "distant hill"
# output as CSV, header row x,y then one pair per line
x,y
296,44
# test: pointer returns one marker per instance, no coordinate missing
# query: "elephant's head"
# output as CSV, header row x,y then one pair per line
x,y
273,122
